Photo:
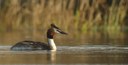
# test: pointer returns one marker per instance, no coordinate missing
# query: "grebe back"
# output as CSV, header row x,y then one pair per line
x,y
33,45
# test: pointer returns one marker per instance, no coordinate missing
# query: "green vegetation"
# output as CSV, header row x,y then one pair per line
x,y
75,16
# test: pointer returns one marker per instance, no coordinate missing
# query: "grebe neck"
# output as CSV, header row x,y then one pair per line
x,y
51,43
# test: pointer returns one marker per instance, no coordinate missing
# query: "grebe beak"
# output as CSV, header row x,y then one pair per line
x,y
57,30
62,32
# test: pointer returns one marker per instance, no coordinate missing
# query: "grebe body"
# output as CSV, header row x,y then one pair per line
x,y
33,45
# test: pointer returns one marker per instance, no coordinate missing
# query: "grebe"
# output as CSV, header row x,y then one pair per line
x,y
33,45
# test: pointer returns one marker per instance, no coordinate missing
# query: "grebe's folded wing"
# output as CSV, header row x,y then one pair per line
x,y
30,45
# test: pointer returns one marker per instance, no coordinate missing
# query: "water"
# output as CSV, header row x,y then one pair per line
x,y
91,49
82,54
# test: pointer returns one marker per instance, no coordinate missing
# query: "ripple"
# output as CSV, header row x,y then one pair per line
x,y
73,49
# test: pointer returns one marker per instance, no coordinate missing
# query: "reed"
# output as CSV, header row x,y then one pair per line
x,y
74,16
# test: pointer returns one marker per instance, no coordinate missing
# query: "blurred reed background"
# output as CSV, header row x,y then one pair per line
x,y
30,19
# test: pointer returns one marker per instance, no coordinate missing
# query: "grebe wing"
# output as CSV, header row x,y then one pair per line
x,y
30,45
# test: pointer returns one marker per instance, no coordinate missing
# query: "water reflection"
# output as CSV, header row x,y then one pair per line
x,y
51,57
28,58
93,48
67,55
93,38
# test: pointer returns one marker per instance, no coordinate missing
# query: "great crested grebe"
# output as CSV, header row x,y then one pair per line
x,y
33,45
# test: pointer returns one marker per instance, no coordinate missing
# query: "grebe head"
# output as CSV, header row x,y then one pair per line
x,y
53,30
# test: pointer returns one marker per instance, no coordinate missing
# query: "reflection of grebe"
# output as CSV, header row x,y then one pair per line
x,y
51,57
32,45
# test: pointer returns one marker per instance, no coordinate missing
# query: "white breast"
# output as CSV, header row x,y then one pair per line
x,y
52,44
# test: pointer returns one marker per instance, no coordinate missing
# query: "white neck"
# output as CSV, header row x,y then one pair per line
x,y
52,44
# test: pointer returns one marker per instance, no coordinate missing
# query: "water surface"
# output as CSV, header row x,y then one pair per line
x,y
83,54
